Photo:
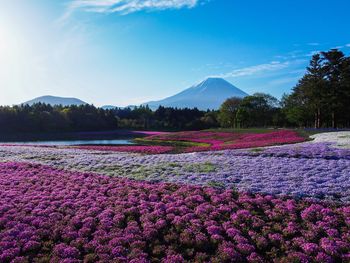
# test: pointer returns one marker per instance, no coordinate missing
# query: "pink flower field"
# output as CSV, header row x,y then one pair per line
x,y
52,215
111,204
132,149
215,141
201,141
174,131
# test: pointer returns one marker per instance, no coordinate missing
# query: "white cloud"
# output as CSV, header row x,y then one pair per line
x,y
314,44
257,69
347,45
338,47
128,6
285,80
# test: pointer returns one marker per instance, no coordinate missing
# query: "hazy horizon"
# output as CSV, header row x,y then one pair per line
x,y
118,52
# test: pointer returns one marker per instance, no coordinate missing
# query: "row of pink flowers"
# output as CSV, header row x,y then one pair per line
x,y
151,149
150,132
228,140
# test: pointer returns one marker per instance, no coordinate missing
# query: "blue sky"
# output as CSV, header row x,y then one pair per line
x,y
125,52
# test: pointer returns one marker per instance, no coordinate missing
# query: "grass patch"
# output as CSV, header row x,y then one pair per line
x,y
206,167
140,174
174,165
257,150
170,142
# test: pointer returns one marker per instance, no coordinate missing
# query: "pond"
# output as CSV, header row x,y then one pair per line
x,y
76,142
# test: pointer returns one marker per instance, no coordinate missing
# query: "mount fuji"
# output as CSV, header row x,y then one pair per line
x,y
208,94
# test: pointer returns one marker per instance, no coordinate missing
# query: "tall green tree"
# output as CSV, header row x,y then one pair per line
x,y
315,88
228,111
334,61
257,110
310,94
295,108
345,79
321,97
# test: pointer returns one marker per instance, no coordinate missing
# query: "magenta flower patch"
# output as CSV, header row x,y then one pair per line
x,y
229,140
131,149
48,214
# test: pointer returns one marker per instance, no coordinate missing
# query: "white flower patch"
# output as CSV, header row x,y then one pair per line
x,y
339,139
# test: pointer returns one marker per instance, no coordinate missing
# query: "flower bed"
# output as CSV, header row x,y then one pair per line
x,y
227,140
149,132
133,149
307,150
197,141
48,214
320,172
339,139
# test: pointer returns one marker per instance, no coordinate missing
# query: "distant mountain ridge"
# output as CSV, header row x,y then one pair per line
x,y
54,100
208,94
108,107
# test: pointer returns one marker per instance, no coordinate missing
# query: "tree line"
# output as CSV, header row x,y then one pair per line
x,y
257,110
321,99
46,118
165,118
322,96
